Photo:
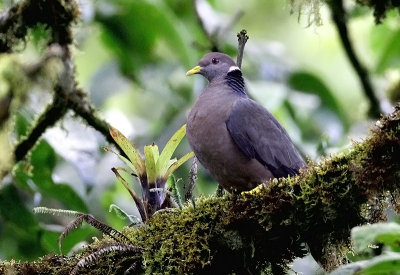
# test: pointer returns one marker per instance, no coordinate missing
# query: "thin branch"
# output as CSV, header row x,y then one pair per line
x,y
339,18
192,180
242,39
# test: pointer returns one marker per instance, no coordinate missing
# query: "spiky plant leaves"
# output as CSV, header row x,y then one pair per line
x,y
130,151
77,222
57,212
124,159
178,163
103,250
139,203
104,228
169,149
150,157
70,227
152,172
171,183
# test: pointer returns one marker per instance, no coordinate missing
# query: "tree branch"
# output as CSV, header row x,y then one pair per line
x,y
268,225
339,18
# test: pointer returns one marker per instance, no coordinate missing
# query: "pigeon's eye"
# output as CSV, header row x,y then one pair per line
x,y
215,61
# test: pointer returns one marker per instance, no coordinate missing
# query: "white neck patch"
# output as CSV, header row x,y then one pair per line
x,y
233,68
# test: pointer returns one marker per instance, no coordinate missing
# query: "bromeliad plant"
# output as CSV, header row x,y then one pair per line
x,y
153,171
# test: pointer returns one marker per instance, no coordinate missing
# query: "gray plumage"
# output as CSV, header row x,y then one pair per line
x,y
236,139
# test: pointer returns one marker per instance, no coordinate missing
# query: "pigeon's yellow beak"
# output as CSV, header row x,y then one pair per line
x,y
195,70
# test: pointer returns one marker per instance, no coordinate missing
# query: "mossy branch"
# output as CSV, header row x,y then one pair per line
x,y
265,228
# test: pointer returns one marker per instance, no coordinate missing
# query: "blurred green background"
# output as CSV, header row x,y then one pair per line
x,y
131,58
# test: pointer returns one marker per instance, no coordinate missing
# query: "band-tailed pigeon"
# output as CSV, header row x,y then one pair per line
x,y
236,139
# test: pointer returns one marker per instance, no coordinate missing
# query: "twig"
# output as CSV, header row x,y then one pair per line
x,y
339,18
192,181
242,39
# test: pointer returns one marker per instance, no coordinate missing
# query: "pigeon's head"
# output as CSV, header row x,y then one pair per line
x,y
214,65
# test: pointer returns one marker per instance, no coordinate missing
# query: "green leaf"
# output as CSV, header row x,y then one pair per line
x,y
43,159
388,263
138,201
122,214
178,163
309,83
49,239
14,211
20,231
386,233
169,149
124,159
132,31
129,150
390,54
150,160
124,183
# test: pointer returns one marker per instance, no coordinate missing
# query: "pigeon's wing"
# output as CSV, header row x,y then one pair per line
x,y
259,135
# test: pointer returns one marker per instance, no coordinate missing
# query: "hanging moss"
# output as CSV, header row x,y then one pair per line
x,y
311,9
380,7
55,15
